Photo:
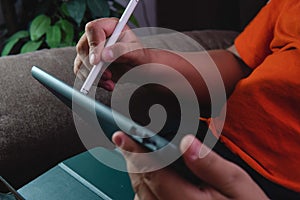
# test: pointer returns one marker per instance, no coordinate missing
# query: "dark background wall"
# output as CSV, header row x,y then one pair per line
x,y
206,14
177,14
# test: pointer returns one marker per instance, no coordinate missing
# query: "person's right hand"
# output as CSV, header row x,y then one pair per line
x,y
90,50
128,52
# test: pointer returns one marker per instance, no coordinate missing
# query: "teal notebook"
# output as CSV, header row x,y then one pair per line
x,y
82,177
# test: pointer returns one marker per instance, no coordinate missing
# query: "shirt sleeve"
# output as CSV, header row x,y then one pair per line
x,y
253,44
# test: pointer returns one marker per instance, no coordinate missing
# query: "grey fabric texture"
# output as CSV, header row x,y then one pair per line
x,y
36,129
213,39
190,40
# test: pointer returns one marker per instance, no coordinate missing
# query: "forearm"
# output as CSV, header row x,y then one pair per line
x,y
193,67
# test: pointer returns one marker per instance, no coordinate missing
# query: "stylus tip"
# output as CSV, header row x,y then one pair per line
x,y
84,91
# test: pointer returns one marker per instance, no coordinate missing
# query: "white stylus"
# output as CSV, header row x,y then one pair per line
x,y
112,40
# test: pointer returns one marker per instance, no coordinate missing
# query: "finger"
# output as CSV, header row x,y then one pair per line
x,y
77,64
85,71
163,182
144,193
97,31
82,47
107,75
108,85
126,143
137,158
221,174
122,52
141,189
106,81
80,76
86,63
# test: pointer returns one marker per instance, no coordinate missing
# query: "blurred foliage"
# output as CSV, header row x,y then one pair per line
x,y
57,23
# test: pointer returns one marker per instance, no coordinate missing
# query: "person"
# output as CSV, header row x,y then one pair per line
x,y
258,151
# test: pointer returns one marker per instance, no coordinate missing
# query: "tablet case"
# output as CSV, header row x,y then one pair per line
x,y
82,177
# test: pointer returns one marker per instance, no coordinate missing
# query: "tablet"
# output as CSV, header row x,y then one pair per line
x,y
106,115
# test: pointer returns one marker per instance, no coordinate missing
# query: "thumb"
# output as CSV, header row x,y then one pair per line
x,y
226,177
206,164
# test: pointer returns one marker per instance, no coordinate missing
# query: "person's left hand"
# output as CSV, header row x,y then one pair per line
x,y
221,178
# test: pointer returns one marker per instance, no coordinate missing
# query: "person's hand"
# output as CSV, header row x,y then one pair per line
x,y
222,179
90,50
126,53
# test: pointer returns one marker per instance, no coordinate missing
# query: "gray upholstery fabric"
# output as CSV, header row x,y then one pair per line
x,y
213,39
186,41
36,129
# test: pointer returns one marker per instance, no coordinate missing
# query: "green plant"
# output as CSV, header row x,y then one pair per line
x,y
59,23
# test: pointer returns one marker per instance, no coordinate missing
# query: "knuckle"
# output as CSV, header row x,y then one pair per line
x,y
137,184
79,48
93,43
149,176
153,179
114,19
120,50
77,63
90,26
238,174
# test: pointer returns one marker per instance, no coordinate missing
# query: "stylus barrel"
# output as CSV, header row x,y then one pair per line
x,y
112,40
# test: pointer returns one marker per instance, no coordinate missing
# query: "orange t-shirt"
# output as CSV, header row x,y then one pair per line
x,y
262,121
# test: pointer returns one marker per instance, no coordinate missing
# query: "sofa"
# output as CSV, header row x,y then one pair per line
x,y
37,130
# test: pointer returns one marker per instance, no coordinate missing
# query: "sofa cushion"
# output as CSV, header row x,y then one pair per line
x,y
36,130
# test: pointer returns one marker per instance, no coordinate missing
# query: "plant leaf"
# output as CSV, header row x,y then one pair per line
x,y
12,41
31,46
53,36
8,46
134,21
64,10
19,35
39,27
68,31
76,9
99,8
119,11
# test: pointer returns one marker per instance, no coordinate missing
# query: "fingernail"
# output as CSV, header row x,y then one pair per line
x,y
191,146
108,86
92,58
107,54
204,151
